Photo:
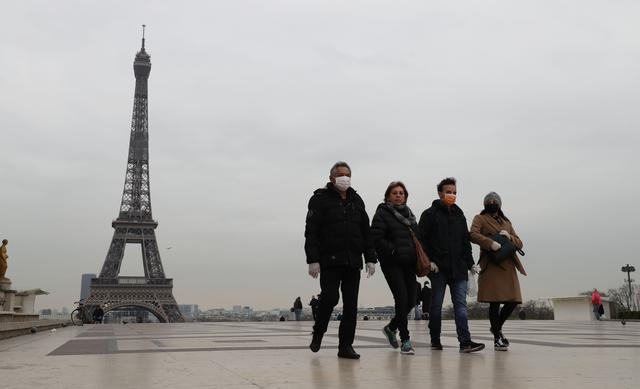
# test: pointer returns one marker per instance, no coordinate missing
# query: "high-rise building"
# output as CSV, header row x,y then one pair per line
x,y
189,311
85,285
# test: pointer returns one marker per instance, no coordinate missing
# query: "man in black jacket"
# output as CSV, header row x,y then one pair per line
x,y
445,238
337,235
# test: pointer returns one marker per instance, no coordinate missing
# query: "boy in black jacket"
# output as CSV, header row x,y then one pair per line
x,y
445,237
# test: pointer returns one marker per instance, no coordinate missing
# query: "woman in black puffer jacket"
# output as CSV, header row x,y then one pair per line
x,y
391,233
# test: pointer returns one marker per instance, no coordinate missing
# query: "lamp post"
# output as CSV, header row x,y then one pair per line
x,y
628,269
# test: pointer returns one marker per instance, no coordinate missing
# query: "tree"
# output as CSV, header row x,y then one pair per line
x,y
620,297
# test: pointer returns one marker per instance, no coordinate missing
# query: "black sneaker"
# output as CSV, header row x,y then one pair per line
x,y
471,347
436,345
504,340
498,335
348,352
316,340
498,345
391,336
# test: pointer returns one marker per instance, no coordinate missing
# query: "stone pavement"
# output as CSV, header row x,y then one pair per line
x,y
543,354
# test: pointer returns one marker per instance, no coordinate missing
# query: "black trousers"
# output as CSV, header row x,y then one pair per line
x,y
402,282
498,316
333,280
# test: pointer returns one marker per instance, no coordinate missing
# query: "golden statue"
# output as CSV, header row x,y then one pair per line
x,y
4,259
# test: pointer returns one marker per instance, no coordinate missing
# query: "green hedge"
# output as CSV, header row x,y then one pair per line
x,y
629,315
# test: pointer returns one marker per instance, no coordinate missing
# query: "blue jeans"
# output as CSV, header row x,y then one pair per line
x,y
458,290
298,314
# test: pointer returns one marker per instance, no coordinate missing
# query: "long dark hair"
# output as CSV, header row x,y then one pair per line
x,y
500,213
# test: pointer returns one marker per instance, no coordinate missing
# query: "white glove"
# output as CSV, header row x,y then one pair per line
x,y
495,246
505,233
371,268
314,269
434,267
475,269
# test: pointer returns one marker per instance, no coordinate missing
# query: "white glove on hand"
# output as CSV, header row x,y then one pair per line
x,y
505,233
314,269
475,269
371,268
495,246
434,267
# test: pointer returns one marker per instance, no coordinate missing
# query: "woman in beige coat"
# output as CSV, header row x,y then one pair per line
x,y
497,284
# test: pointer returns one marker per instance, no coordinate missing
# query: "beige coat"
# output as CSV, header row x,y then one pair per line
x,y
496,284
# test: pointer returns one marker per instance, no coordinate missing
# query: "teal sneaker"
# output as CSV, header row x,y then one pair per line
x,y
391,336
407,348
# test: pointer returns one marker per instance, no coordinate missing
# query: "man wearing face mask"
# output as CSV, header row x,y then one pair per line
x,y
445,237
337,235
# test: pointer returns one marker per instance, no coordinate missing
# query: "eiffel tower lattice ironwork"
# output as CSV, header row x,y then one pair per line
x,y
135,225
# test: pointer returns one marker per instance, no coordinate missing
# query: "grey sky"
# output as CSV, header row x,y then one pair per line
x,y
250,103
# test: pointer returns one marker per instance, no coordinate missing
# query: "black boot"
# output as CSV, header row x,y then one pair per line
x,y
316,340
347,352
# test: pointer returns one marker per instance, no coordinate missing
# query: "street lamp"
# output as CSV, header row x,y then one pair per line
x,y
628,269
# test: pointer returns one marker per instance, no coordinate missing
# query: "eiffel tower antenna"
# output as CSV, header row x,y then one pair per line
x,y
135,225
143,27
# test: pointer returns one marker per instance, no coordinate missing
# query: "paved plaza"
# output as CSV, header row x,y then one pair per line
x,y
543,354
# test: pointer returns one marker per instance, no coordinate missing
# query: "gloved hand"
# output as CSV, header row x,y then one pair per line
x,y
475,269
371,268
314,269
495,246
505,233
434,267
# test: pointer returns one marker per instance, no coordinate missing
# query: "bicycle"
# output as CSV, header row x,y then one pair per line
x,y
81,314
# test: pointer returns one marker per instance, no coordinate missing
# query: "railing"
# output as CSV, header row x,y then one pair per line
x,y
132,281
55,316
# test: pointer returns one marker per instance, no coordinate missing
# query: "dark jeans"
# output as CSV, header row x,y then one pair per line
x,y
347,280
498,316
402,282
458,290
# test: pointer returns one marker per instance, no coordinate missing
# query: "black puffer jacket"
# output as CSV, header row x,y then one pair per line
x,y
392,239
337,232
445,237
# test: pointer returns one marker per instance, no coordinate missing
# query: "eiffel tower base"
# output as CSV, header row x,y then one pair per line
x,y
151,294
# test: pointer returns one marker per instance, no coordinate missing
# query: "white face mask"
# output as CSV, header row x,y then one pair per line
x,y
343,183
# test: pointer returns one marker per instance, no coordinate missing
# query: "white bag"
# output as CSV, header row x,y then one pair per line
x,y
472,286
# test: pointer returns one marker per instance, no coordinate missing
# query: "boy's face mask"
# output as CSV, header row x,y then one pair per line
x,y
449,199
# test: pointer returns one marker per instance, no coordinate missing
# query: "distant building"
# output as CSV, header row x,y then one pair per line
x,y
85,285
189,311
237,309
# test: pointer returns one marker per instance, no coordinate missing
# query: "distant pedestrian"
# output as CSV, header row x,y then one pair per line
x,y
596,302
98,315
337,235
315,303
417,314
425,297
445,238
297,308
498,282
392,228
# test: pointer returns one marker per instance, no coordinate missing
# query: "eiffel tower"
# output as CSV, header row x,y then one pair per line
x,y
135,226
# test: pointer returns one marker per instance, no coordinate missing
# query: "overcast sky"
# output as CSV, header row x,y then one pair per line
x,y
251,102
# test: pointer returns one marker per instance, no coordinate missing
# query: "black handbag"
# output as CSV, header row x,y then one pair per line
x,y
506,251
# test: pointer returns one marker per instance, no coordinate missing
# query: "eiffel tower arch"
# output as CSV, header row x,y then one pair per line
x,y
135,225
